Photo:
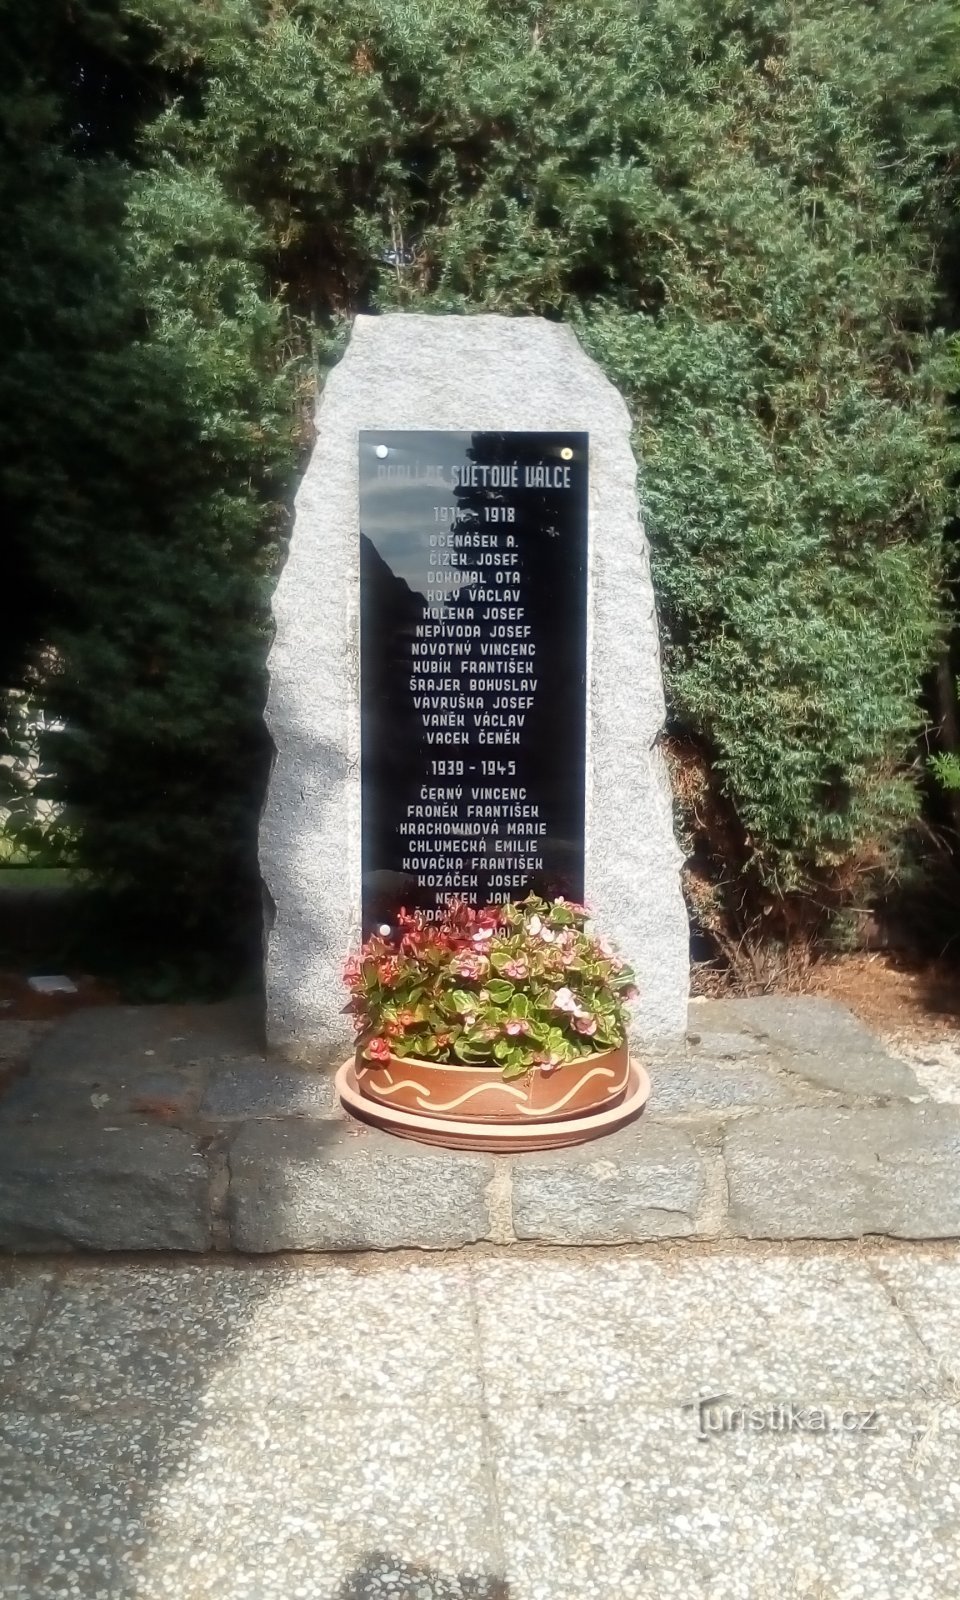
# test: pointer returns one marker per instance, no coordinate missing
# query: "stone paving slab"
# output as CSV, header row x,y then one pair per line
x,y
766,1330
309,1319
153,1503
329,1186
133,1352
486,1427
693,1089
313,1488
44,1098
927,1294
163,1127
822,1174
645,1183
640,1511
78,1490
102,1188
816,1040
138,1507
118,1039
239,1093
425,1352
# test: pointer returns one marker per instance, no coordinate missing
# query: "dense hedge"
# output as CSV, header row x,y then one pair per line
x,y
740,210
145,434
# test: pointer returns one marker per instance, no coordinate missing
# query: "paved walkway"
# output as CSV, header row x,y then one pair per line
x,y
519,1425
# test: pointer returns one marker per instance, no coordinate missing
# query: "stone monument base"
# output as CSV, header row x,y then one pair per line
x,y
166,1128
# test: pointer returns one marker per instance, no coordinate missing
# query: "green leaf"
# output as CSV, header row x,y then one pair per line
x,y
467,1052
499,990
483,1046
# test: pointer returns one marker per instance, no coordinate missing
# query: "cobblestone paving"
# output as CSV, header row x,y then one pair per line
x,y
729,1423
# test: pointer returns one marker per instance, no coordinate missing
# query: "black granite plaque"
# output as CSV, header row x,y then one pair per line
x,y
473,667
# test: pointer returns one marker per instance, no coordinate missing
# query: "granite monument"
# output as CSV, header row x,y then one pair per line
x,y
465,693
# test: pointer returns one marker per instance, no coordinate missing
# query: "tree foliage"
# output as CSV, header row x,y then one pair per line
x,y
147,432
740,208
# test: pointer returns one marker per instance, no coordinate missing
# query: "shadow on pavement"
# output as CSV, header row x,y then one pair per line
x,y
383,1574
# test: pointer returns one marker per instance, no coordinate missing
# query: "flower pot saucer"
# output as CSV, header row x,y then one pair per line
x,y
502,1137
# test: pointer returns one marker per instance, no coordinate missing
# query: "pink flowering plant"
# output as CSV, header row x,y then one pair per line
x,y
513,987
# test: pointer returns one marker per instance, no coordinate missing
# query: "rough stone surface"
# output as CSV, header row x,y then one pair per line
x,y
119,1040
811,1038
43,1097
325,1186
447,372
18,1041
260,1090
106,1142
935,1060
820,1174
101,1188
649,1182
689,1088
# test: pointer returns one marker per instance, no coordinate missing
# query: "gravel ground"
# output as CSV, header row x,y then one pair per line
x,y
546,1426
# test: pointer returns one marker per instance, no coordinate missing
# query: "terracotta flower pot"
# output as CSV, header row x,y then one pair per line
x,y
480,1094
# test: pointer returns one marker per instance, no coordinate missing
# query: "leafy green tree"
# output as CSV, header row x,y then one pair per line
x,y
740,209
148,441
62,196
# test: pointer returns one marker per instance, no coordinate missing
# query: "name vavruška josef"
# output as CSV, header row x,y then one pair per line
x,y
473,666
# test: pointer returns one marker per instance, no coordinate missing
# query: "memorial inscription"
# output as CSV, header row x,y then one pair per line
x,y
473,574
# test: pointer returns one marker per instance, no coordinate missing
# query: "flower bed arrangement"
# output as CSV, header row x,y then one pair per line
x,y
503,1012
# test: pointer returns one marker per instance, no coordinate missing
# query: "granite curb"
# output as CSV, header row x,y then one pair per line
x,y
782,1119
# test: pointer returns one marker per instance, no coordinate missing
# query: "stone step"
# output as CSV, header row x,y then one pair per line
x,y
782,1120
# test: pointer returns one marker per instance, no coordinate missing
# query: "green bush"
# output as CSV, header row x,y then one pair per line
x,y
735,209
146,430
738,208
946,768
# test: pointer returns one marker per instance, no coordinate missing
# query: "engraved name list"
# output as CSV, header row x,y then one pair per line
x,y
473,667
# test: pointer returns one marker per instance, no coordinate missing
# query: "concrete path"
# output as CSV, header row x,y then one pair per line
x,y
522,1425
